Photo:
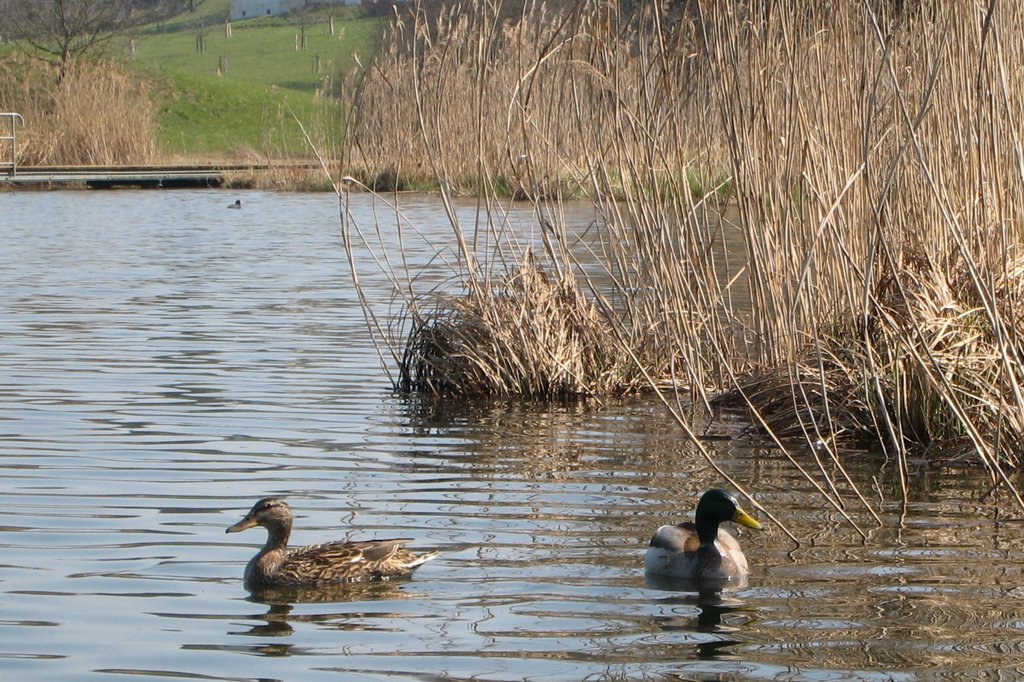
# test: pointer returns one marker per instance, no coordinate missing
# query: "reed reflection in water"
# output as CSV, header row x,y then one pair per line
x,y
167,362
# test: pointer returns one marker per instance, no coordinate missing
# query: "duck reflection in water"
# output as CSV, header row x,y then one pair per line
x,y
327,594
714,606
278,621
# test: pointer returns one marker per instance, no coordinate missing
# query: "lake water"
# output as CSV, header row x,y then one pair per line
x,y
165,362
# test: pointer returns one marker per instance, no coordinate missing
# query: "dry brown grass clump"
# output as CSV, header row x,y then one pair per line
x,y
292,177
533,334
928,369
97,114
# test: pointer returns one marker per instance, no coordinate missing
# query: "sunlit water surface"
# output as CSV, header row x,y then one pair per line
x,y
166,362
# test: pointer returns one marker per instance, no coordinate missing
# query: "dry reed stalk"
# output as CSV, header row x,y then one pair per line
x,y
869,157
871,285
98,114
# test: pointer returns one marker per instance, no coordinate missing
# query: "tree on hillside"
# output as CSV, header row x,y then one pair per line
x,y
65,29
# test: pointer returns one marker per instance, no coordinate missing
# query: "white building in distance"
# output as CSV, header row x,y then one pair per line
x,y
250,9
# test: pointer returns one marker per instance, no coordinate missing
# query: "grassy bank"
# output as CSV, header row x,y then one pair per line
x,y
871,160
205,119
238,95
218,95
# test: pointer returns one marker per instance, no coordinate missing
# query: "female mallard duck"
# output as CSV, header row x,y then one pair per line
x,y
700,550
332,562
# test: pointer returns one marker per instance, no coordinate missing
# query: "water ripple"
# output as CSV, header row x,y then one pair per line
x,y
166,364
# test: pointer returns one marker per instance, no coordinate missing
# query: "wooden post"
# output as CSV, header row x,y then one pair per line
x,y
227,28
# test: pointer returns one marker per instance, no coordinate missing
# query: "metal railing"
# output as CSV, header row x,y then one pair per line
x,y
13,139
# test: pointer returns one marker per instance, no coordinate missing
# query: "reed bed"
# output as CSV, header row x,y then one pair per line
x,y
464,100
537,335
875,162
96,114
868,284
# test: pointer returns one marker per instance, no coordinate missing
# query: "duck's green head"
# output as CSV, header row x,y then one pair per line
x,y
717,505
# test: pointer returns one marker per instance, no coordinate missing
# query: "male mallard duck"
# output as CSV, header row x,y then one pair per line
x,y
700,550
331,562
237,204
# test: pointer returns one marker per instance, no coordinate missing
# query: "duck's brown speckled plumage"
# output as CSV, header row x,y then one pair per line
x,y
329,563
702,550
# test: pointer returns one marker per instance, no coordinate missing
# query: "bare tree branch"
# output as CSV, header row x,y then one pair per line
x,y
65,29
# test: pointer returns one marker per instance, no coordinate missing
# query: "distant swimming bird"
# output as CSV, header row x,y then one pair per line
x,y
333,562
237,204
700,550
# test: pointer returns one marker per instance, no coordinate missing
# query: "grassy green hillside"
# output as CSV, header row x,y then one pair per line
x,y
235,96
